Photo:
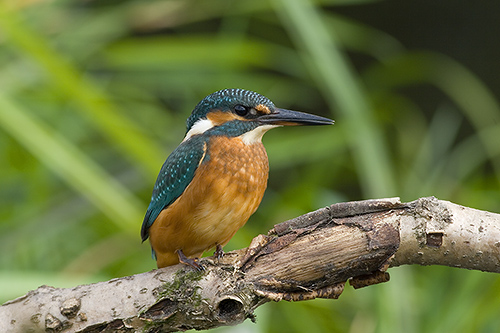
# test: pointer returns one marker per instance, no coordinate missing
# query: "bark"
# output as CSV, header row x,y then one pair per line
x,y
311,256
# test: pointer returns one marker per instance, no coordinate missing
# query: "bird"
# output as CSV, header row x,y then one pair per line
x,y
212,183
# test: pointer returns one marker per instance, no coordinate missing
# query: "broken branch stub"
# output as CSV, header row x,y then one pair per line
x,y
314,257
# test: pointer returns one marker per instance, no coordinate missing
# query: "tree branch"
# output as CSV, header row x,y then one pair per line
x,y
311,256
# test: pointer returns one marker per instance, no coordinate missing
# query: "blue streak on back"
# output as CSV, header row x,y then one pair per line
x,y
179,169
175,175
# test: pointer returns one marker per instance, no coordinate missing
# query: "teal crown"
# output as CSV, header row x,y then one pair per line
x,y
226,100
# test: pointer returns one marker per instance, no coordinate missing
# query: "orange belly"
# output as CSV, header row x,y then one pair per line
x,y
223,194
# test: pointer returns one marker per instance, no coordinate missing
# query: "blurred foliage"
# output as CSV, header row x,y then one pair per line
x,y
94,95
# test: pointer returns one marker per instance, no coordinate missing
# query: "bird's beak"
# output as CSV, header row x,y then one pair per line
x,y
293,118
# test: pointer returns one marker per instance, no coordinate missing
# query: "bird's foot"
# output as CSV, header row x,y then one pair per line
x,y
219,252
193,262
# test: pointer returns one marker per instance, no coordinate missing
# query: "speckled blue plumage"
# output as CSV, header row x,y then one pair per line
x,y
175,175
179,168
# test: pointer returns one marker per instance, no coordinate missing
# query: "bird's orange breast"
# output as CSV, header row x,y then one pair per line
x,y
227,188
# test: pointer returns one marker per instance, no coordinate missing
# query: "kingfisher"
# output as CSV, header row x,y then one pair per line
x,y
212,183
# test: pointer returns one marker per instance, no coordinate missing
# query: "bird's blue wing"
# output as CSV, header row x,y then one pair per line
x,y
175,175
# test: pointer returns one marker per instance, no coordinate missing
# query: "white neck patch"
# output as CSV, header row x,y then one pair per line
x,y
199,127
250,137
255,135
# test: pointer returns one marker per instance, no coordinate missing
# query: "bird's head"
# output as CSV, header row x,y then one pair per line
x,y
238,112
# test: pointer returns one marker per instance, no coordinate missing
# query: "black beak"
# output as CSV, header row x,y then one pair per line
x,y
293,118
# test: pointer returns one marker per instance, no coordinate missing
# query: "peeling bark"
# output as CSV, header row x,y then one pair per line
x,y
311,256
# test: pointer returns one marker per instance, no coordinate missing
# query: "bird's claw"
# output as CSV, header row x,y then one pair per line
x,y
219,252
193,262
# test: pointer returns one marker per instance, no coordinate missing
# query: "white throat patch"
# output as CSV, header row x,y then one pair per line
x,y
250,137
255,135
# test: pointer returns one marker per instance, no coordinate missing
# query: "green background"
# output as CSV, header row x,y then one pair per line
x,y
94,96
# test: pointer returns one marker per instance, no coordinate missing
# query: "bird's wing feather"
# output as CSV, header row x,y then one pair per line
x,y
175,175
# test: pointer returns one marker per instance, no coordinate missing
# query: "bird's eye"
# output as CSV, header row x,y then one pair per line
x,y
241,110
